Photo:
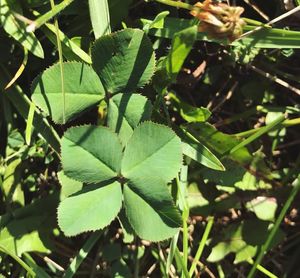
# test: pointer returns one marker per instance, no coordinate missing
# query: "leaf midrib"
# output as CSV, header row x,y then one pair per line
x,y
158,211
71,93
83,213
123,115
92,154
149,156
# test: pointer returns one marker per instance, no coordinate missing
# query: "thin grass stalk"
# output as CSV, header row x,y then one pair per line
x,y
61,65
286,123
275,228
20,70
202,245
47,16
182,264
19,261
263,270
83,252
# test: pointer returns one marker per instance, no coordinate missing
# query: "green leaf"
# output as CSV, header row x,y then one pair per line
x,y
202,155
220,143
189,112
168,68
241,240
44,207
83,90
153,151
123,60
100,18
22,104
39,271
128,233
197,151
29,270
90,209
125,112
71,50
236,177
245,254
158,21
182,44
263,207
232,241
150,210
11,186
91,154
18,236
17,29
68,186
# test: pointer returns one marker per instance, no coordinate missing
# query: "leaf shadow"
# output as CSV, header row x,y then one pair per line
x,y
140,64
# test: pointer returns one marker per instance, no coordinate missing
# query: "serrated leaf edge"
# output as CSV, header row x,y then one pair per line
x,y
166,127
132,226
35,80
86,125
89,230
153,56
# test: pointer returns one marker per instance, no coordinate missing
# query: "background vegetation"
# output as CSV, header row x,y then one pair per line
x,y
234,106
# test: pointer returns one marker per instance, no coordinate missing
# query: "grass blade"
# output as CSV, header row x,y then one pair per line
x,y
60,55
202,245
19,71
11,19
22,104
99,13
194,149
47,16
182,264
171,254
83,252
19,261
49,31
286,123
295,190
40,272
263,270
28,130
265,38
258,134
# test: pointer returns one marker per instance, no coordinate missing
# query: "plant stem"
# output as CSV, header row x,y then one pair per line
x,y
275,20
181,262
136,259
171,254
201,245
283,212
263,270
19,261
176,4
83,252
286,123
185,239
182,185
19,71
258,133
61,65
47,16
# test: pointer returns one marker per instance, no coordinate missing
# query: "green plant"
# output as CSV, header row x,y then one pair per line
x,y
133,159
171,140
